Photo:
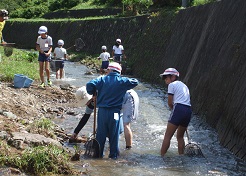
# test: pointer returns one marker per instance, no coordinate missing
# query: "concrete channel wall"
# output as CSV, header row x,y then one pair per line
x,y
207,44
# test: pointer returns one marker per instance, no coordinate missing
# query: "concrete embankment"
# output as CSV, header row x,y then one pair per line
x,y
206,44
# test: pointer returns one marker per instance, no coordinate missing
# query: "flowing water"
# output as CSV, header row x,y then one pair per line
x,y
144,158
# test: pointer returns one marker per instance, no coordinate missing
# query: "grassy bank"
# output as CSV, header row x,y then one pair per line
x,y
26,62
20,62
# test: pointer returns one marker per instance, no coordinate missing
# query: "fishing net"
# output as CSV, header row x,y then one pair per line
x,y
92,148
192,149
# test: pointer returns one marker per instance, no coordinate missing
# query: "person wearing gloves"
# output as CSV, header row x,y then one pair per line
x,y
179,103
129,112
110,90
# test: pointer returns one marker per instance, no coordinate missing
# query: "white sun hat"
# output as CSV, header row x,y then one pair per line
x,y
42,30
170,71
118,40
82,96
104,47
60,42
115,66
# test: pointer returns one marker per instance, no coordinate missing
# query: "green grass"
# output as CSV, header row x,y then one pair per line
x,y
201,2
41,160
20,62
88,5
43,126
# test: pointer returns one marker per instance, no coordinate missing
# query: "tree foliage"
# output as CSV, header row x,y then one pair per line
x,y
35,8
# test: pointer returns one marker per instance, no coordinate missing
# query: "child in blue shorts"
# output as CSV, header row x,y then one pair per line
x,y
105,59
44,46
179,103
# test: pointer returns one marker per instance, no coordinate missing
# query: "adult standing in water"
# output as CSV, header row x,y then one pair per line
x,y
179,103
110,90
129,112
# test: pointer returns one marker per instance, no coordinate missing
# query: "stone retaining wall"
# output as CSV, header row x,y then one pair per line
x,y
206,44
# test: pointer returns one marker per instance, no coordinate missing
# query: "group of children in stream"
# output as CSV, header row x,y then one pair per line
x,y
120,106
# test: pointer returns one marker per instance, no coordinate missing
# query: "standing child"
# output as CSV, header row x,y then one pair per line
x,y
105,59
118,51
179,103
44,46
60,54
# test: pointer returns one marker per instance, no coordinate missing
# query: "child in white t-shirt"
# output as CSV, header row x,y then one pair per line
x,y
44,46
179,103
60,55
118,51
105,56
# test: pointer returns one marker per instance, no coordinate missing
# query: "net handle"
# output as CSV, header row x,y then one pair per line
x,y
95,115
188,137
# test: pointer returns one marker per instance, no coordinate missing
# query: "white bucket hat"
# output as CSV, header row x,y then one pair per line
x,y
104,47
4,13
118,40
82,96
60,42
42,30
115,66
170,71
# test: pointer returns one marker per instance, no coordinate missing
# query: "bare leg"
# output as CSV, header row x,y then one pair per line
x,y
41,71
128,134
47,69
167,138
61,73
180,139
57,74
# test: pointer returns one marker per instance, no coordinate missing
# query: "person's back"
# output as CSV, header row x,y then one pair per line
x,y
110,92
105,59
112,88
129,113
60,53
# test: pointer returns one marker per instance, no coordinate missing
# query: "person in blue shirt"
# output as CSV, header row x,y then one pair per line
x,y
110,90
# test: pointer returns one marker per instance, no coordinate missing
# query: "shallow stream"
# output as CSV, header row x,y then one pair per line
x,y
148,132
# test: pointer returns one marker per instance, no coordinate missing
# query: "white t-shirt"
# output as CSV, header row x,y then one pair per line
x,y
60,52
130,106
118,50
44,43
180,93
104,56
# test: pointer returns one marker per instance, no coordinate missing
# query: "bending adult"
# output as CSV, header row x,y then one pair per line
x,y
129,112
110,92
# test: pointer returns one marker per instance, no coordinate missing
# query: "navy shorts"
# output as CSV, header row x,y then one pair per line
x,y
105,64
43,58
180,115
117,57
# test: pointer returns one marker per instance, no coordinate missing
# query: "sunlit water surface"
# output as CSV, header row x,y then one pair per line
x,y
144,158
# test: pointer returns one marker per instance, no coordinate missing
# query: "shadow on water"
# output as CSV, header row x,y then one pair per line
x,y
148,133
